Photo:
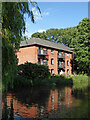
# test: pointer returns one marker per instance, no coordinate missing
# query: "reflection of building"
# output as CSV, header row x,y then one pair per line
x,y
22,109
53,100
57,56
68,97
56,100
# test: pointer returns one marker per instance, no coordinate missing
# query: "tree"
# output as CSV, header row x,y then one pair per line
x,y
75,37
82,45
13,26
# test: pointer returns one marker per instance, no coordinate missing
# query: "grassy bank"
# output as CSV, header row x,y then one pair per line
x,y
80,82
33,75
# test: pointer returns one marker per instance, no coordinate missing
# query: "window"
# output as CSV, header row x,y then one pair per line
x,y
41,61
67,54
60,63
52,71
46,51
63,54
67,71
67,62
61,72
59,53
40,50
51,51
52,61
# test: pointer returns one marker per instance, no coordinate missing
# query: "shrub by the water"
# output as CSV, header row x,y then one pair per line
x,y
32,74
61,80
38,75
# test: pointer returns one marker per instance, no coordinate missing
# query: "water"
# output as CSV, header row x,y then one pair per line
x,y
45,103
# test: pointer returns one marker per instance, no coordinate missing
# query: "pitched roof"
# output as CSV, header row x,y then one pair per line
x,y
46,43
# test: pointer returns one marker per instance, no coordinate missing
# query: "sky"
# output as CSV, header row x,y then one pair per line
x,y
56,15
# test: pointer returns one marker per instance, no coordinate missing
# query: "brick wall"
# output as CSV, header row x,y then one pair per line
x,y
68,66
54,57
30,54
27,54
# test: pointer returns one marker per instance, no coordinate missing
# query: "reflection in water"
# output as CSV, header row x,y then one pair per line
x,y
43,103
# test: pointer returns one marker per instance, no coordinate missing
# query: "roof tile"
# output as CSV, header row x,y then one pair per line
x,y
46,43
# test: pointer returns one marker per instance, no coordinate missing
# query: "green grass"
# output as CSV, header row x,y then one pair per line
x,y
80,82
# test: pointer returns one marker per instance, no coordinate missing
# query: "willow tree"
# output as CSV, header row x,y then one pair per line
x,y
13,27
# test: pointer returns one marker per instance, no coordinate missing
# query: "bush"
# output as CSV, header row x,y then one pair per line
x,y
34,73
61,80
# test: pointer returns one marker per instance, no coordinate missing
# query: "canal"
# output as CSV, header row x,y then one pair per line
x,y
45,103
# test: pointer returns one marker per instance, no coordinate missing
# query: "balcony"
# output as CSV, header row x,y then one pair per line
x,y
43,63
62,56
42,53
61,66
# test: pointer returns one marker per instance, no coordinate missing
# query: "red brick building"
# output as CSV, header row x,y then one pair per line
x,y
57,56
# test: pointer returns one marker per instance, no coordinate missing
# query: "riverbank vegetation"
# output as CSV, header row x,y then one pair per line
x,y
13,28
33,75
36,75
80,82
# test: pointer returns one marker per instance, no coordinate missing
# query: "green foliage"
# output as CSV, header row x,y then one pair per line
x,y
34,73
82,55
13,26
61,80
9,65
38,75
75,37
80,82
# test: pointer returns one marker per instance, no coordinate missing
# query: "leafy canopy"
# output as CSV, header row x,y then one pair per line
x,y
13,26
75,37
